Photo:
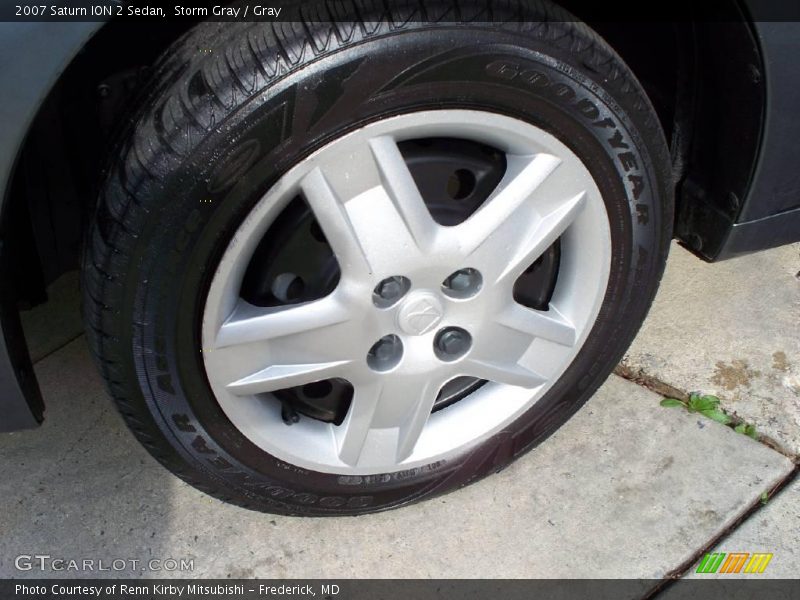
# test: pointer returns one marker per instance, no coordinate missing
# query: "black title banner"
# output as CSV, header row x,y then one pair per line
x,y
145,11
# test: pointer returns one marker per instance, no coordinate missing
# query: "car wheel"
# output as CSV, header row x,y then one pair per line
x,y
340,267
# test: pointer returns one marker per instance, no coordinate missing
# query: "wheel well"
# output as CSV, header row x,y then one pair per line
x,y
55,182
680,64
703,70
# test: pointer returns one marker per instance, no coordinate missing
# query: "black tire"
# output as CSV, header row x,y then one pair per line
x,y
233,106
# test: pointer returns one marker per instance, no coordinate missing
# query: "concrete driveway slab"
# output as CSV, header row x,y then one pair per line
x,y
57,322
625,489
731,329
774,529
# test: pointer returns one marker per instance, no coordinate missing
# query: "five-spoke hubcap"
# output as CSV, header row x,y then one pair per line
x,y
418,304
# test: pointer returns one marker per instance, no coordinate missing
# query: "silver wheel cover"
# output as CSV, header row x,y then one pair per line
x,y
365,200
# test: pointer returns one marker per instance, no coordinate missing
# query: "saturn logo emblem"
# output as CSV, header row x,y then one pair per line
x,y
420,314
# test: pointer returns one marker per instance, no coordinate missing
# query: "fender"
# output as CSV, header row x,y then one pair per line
x,y
33,56
770,214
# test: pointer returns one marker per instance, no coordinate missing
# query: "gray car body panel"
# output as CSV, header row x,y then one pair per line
x,y
32,58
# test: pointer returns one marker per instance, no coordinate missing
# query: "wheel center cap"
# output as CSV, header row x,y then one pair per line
x,y
420,313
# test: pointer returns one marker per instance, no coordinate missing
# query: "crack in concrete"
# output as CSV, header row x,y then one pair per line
x,y
57,348
640,377
678,573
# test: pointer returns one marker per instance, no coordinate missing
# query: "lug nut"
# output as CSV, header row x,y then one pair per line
x,y
385,354
451,343
463,283
390,290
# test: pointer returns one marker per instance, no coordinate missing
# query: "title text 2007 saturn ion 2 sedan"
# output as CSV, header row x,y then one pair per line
x,y
341,263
